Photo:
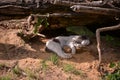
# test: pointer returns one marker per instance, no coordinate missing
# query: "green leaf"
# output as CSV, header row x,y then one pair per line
x,y
44,65
17,70
112,65
37,25
41,21
46,23
109,38
68,68
5,78
54,59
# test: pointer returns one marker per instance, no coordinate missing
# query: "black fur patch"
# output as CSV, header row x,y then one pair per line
x,y
48,50
56,40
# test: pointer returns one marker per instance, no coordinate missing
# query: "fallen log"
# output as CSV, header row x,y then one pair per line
x,y
57,20
88,15
27,7
96,10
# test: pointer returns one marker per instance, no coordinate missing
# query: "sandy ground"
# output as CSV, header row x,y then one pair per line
x,y
33,62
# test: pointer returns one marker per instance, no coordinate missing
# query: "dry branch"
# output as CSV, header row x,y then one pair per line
x,y
70,3
98,31
96,10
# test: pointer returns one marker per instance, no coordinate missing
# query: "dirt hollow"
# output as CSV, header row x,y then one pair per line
x,y
20,60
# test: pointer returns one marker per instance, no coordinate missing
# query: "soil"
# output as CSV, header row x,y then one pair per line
x,y
33,62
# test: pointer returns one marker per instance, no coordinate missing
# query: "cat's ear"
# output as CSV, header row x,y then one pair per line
x,y
84,37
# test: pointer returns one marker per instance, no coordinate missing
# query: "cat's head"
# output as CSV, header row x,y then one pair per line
x,y
80,41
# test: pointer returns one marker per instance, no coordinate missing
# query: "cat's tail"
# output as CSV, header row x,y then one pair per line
x,y
55,47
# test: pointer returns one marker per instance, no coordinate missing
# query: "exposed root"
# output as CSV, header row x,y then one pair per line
x,y
98,38
29,30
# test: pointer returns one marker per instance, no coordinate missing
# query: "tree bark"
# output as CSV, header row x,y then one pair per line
x,y
96,10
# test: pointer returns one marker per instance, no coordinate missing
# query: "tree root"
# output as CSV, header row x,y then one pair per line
x,y
98,38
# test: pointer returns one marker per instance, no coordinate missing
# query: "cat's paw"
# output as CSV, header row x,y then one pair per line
x,y
85,42
67,56
67,49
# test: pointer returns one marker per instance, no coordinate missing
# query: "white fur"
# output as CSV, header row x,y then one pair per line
x,y
66,40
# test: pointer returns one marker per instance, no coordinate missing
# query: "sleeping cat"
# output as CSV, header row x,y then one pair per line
x,y
56,44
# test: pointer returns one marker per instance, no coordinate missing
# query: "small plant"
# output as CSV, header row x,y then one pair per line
x,y
5,78
69,78
109,39
31,75
112,65
71,69
112,40
44,65
54,59
2,65
68,68
80,30
115,75
40,21
16,70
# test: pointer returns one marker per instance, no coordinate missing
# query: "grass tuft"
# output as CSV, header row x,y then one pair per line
x,y
54,59
80,30
115,75
17,70
2,65
112,40
31,75
5,78
44,65
71,69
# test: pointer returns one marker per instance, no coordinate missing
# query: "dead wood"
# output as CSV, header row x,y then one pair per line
x,y
28,32
57,20
96,10
85,3
47,6
98,31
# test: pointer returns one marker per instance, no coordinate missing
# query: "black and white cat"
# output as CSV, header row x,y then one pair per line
x,y
56,44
